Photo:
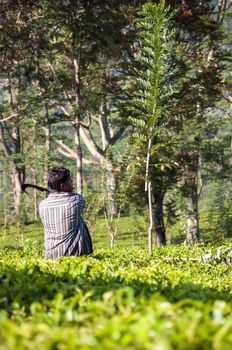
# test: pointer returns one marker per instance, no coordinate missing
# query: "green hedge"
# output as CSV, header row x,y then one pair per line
x,y
123,299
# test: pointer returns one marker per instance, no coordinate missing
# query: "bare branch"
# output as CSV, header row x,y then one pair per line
x,y
65,150
67,154
91,144
10,117
228,99
70,153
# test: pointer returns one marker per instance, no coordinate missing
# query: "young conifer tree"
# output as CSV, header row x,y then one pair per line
x,y
155,86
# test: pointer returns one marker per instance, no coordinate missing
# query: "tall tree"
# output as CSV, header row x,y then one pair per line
x,y
206,54
199,77
89,44
156,87
16,20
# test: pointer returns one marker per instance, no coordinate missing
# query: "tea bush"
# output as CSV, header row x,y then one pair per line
x,y
178,298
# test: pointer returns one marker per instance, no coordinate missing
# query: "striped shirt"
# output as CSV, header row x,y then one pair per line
x,y
64,228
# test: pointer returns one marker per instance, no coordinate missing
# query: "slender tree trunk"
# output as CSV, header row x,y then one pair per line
x,y
111,187
192,177
5,201
79,177
47,130
16,183
5,222
18,175
150,228
35,194
18,178
158,218
34,175
4,198
77,90
193,230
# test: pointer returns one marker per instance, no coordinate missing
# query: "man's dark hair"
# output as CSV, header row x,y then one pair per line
x,y
57,176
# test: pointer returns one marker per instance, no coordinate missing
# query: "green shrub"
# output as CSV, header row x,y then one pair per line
x,y
121,299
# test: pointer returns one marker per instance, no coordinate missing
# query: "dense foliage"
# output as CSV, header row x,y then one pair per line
x,y
69,73
117,300
73,75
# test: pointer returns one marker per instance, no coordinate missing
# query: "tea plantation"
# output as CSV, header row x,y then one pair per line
x,y
178,298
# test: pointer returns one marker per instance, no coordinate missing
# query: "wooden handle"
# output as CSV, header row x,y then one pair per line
x,y
43,189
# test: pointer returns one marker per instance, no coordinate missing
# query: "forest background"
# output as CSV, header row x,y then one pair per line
x,y
78,80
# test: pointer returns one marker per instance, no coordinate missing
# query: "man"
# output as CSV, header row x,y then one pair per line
x,y
61,213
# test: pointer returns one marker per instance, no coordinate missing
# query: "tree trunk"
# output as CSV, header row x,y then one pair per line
x,y
77,91
35,194
16,182
18,175
112,241
5,201
47,144
191,184
193,234
193,231
150,228
111,188
79,178
5,222
158,219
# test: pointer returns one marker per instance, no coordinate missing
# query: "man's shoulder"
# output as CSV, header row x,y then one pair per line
x,y
44,201
57,197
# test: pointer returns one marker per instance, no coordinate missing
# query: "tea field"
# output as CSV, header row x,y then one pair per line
x,y
178,298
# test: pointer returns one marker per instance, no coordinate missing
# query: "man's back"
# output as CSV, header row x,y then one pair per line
x,y
65,231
